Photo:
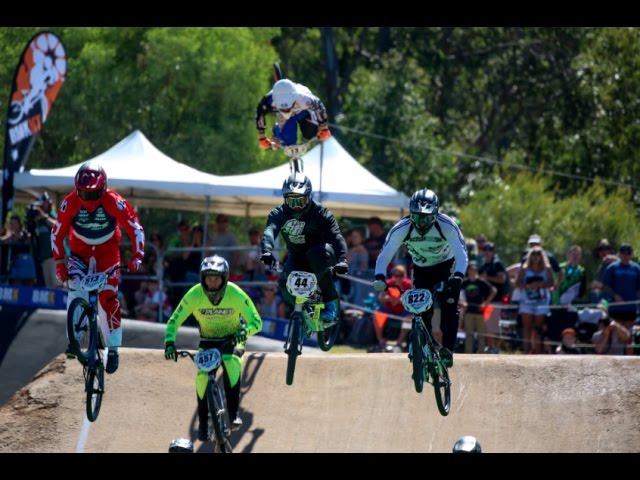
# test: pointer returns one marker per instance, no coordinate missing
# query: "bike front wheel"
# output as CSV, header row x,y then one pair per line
x,y
327,338
216,414
417,360
294,347
94,386
78,328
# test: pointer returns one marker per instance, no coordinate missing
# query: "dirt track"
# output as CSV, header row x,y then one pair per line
x,y
343,403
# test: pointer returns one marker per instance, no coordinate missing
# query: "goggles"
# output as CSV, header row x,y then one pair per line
x,y
422,221
296,202
90,195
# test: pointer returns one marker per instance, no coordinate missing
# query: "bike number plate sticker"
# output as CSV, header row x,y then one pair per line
x,y
207,360
93,281
301,284
417,300
294,150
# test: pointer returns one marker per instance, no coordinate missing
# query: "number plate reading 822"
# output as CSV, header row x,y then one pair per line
x,y
207,360
301,284
417,300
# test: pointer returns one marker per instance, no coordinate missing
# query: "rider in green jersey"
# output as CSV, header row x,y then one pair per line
x,y
222,310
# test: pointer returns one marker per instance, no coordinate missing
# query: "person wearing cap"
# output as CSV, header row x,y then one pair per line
x,y
535,240
45,220
623,279
477,294
568,345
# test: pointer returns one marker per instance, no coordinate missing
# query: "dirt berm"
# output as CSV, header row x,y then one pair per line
x,y
341,403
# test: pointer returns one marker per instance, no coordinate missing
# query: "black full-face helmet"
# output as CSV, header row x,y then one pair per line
x,y
216,266
423,210
296,191
467,444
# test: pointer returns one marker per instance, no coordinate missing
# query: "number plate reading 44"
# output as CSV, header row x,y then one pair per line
x,y
301,284
207,360
93,282
417,300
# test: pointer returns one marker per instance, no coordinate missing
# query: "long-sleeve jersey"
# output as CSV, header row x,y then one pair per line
x,y
315,226
442,242
305,100
215,321
96,227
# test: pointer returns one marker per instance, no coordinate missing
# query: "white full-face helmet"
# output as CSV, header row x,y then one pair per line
x,y
284,96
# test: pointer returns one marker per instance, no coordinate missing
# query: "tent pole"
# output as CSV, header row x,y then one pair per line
x,y
321,161
207,203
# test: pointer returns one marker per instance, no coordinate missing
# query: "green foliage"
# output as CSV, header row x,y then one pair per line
x,y
511,210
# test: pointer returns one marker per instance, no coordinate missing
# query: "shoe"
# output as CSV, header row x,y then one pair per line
x,y
236,424
112,361
447,357
329,313
203,432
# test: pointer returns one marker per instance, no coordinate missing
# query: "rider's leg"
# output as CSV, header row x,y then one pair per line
x,y
320,258
203,419
287,133
292,263
308,125
108,256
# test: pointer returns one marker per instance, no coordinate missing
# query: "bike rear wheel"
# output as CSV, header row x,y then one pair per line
x,y
293,350
217,411
78,328
417,360
327,338
442,389
94,386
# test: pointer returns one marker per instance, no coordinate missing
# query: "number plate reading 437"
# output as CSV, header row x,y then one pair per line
x,y
207,360
301,284
417,300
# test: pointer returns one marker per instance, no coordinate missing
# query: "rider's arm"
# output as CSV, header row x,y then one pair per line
x,y
264,107
274,223
180,314
395,238
313,103
127,218
336,239
61,227
249,312
453,235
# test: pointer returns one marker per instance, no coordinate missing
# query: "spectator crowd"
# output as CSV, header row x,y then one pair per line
x,y
536,305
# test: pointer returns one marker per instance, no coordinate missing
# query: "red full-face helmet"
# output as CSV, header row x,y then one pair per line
x,y
91,181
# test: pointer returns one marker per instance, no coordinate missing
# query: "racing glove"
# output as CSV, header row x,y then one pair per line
x,y
134,264
62,274
268,259
241,336
323,133
341,267
264,143
379,283
170,352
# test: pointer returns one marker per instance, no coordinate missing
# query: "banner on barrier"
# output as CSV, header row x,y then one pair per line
x,y
33,297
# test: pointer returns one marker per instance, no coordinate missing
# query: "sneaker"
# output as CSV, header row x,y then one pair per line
x,y
203,432
112,361
236,424
447,357
329,313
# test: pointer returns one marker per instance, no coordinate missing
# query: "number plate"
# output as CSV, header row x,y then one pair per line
x,y
301,284
93,281
208,360
295,150
417,300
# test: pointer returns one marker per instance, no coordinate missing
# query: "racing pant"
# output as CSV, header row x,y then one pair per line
x,y
288,132
429,277
98,258
316,260
232,368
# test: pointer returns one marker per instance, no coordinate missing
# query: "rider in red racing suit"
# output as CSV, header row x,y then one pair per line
x,y
91,215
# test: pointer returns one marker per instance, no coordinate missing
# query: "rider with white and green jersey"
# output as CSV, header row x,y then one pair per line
x,y
222,310
437,248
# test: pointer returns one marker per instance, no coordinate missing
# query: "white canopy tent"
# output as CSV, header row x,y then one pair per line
x,y
149,178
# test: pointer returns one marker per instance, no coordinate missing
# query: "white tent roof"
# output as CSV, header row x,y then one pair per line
x,y
149,178
348,189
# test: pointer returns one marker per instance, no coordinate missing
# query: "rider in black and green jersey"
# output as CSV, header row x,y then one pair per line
x,y
222,310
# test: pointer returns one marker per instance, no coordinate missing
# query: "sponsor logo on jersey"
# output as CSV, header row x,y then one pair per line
x,y
121,205
217,311
293,229
63,206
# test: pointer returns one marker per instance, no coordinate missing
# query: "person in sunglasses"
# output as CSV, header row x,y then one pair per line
x,y
438,252
295,106
313,238
90,216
